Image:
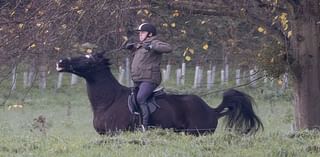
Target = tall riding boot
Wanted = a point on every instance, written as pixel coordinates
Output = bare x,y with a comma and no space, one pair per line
145,115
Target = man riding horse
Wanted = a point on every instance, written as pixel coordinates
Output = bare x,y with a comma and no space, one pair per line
145,67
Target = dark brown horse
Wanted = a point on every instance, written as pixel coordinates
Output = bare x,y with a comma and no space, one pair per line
187,113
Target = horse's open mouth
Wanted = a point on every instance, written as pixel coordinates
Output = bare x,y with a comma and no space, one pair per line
58,68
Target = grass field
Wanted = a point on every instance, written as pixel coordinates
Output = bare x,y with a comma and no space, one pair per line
58,123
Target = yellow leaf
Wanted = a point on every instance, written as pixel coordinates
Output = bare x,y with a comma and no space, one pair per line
285,27
40,12
289,34
284,15
185,51
89,50
173,25
32,45
187,58
265,32
74,7
125,38
280,82
64,26
191,50
165,25
21,25
57,48
139,12
272,60
80,11
261,29
146,11
176,13
12,13
205,46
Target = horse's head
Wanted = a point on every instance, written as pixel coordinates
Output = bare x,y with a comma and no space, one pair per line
83,65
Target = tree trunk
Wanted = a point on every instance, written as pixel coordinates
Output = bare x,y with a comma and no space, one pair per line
306,50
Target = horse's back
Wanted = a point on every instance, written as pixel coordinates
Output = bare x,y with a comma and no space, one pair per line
190,111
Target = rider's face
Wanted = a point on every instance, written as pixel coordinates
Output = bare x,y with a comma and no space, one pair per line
143,35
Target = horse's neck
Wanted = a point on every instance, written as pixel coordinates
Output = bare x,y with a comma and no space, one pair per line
102,90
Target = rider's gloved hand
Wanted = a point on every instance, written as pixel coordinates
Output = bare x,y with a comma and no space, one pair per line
129,46
147,46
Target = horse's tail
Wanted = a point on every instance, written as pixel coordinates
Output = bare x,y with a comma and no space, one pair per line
240,117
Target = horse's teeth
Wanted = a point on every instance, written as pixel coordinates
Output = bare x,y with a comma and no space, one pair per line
58,68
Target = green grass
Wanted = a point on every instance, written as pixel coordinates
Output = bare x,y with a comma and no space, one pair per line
67,130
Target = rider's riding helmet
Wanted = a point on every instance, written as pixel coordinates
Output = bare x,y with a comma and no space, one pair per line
147,27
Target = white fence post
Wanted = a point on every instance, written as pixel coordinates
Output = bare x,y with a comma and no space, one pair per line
74,79
200,76
213,75
222,77
238,77
25,79
265,80
121,75
14,78
183,73
127,73
226,79
59,81
42,77
195,82
30,78
285,81
167,73
178,80
209,79
253,75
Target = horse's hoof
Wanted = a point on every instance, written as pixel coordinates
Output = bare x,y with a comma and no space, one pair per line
143,128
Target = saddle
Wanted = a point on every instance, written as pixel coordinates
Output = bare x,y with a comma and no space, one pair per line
152,104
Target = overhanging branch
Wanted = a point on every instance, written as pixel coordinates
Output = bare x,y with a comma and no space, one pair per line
221,9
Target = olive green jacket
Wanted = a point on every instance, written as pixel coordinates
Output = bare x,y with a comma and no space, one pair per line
146,64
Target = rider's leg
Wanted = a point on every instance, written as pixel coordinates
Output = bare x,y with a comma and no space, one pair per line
145,90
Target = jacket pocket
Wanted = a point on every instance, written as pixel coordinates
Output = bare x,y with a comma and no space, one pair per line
156,74
146,73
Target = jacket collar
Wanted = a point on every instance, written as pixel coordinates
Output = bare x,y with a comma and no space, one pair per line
149,39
